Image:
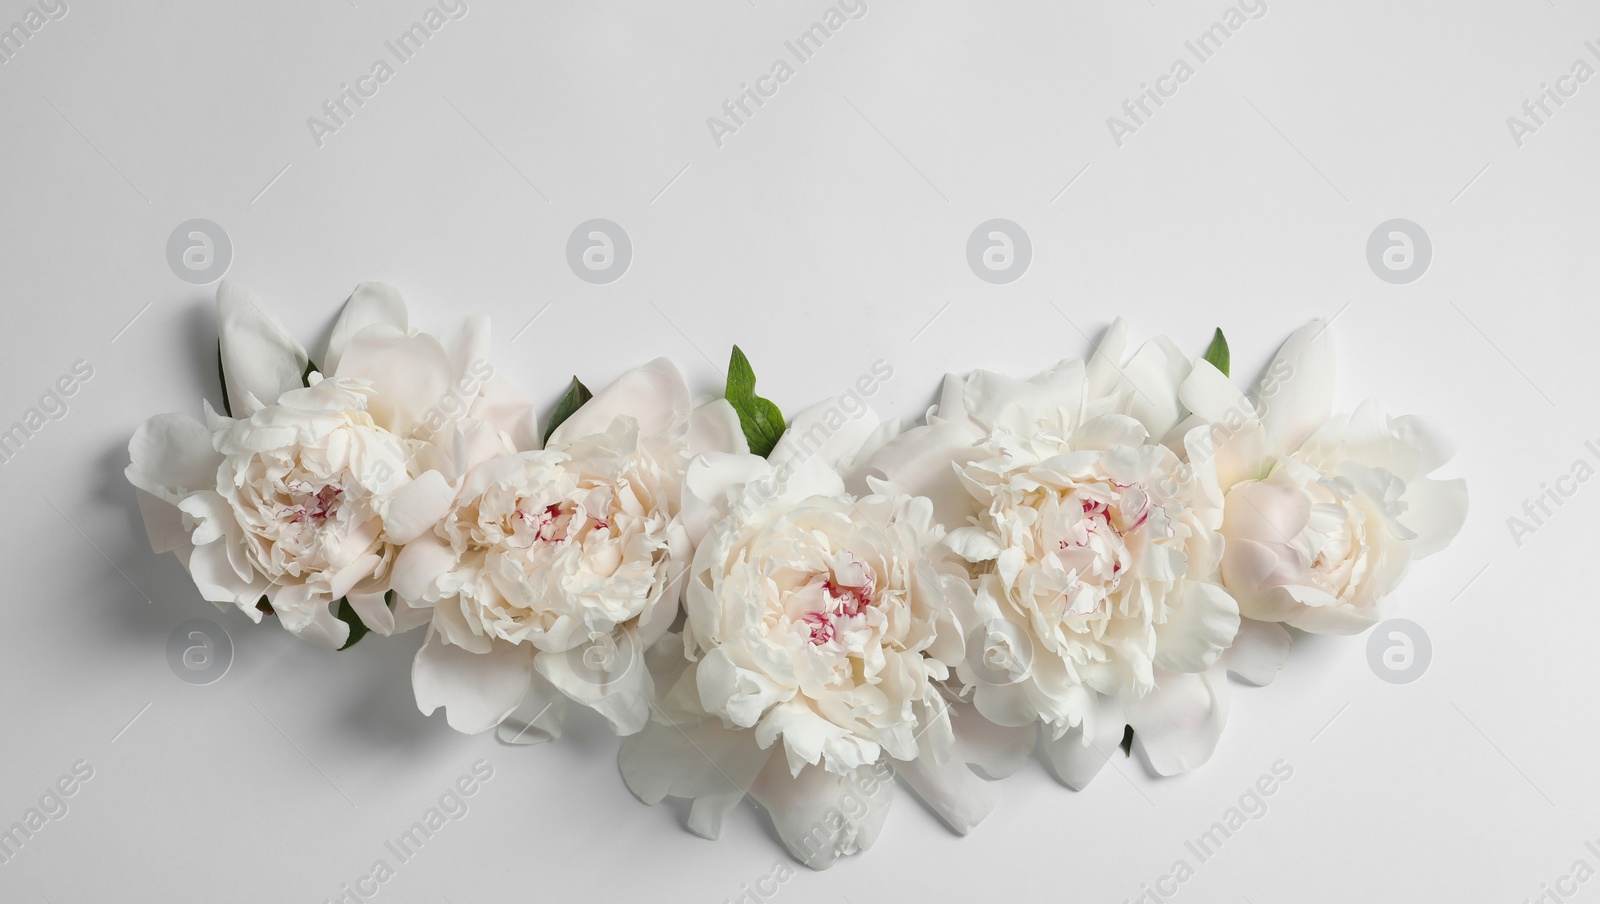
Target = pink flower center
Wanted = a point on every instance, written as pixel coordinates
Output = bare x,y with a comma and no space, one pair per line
821,627
316,507
844,601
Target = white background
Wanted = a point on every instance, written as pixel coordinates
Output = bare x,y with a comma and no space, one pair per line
827,233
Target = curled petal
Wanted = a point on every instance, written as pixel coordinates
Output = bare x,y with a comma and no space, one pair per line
477,690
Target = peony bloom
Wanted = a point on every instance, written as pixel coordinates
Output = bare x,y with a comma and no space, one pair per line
301,498
1323,515
553,569
1081,501
820,628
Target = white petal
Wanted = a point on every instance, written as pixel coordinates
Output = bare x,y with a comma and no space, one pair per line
537,718
259,357
419,564
1157,370
710,483
994,750
821,816
654,395
1212,396
714,427
1436,509
467,344
997,401
1201,624
700,760
922,462
1258,652
411,377
951,790
1296,392
373,610
511,415
1070,760
217,580
606,674
830,431
408,617
172,453
1075,761
477,690
371,303
163,524
1177,724
418,507
1104,372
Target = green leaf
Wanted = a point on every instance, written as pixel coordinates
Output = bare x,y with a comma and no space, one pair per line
1217,354
358,628
760,419
305,378
1127,730
223,379
576,395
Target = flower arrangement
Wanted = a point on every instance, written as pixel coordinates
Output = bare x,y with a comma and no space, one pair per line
799,612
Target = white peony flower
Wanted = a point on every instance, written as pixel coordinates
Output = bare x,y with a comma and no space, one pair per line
821,624
1097,544
302,498
1323,514
554,569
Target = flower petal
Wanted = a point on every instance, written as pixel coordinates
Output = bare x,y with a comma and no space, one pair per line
1258,652
655,395
922,462
537,718
820,815
374,612
832,431
417,507
1296,392
1436,509
508,412
1201,624
411,378
260,359
477,690
606,674
714,427
371,303
1177,724
951,790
